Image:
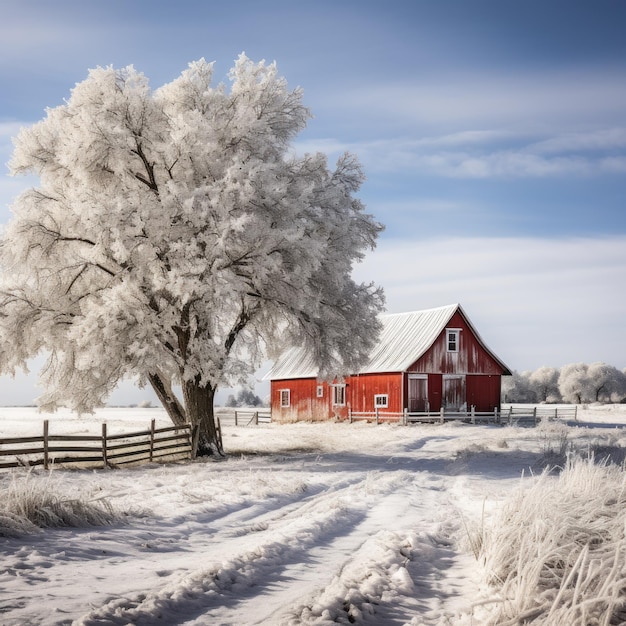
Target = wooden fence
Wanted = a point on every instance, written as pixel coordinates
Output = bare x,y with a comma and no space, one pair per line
244,416
105,450
441,416
519,415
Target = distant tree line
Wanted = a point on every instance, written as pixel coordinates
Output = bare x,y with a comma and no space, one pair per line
245,397
574,383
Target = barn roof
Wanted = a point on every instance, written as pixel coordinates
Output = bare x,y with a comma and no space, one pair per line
404,338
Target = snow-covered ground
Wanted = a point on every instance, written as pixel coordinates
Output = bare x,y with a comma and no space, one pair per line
300,524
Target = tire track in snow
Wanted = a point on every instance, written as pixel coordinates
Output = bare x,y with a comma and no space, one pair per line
406,574
264,555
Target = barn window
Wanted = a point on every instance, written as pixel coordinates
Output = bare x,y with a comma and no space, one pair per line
339,395
381,400
285,397
452,339
320,391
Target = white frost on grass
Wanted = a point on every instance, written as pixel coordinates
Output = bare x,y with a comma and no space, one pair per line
32,502
301,524
555,552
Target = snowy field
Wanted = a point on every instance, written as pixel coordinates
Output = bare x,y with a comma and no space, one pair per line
300,524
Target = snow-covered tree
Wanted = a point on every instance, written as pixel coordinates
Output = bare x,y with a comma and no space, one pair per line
517,388
545,383
175,235
574,383
605,381
244,397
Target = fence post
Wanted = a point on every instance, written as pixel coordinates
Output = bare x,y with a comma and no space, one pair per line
152,423
473,414
235,417
349,415
376,409
218,428
45,444
442,413
256,418
405,416
104,444
535,414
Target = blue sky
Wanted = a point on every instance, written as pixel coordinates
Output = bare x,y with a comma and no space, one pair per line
493,137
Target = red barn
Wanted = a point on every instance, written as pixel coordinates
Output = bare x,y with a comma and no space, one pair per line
424,361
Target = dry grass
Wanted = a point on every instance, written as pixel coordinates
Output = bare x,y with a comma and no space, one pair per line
556,552
31,502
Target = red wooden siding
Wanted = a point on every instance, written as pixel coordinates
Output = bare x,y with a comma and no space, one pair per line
483,392
434,391
362,389
303,402
471,357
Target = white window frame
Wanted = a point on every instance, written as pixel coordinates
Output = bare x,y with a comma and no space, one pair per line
320,391
453,335
285,398
339,395
381,400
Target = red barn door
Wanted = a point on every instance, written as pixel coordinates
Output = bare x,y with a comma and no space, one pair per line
454,398
418,393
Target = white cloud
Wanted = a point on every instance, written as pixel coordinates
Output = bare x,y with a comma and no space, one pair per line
489,125
602,139
535,301
514,101
487,154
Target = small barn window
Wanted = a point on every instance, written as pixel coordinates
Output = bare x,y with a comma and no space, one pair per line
452,339
285,398
339,395
320,391
381,400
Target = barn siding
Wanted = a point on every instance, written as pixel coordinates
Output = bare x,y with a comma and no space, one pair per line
362,389
483,392
304,403
434,391
471,358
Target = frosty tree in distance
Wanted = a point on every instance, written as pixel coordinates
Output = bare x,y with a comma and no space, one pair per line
175,237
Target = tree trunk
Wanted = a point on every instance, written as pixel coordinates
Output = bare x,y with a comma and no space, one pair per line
199,408
163,390
197,411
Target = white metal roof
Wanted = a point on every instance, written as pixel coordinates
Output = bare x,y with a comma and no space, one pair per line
405,337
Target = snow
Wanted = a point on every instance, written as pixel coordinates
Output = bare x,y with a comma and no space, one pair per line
301,524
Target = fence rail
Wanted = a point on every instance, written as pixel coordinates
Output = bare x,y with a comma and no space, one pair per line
441,416
105,450
509,414
528,414
244,416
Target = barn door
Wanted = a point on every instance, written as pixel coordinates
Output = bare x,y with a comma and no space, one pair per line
454,393
418,394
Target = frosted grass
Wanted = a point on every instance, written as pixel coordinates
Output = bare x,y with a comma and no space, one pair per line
32,502
555,552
